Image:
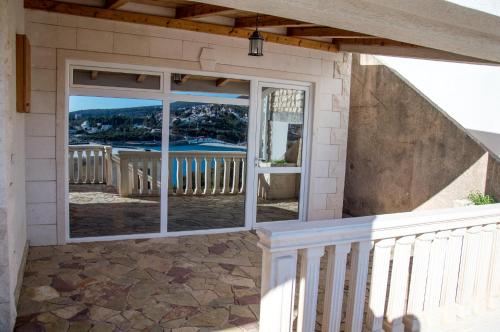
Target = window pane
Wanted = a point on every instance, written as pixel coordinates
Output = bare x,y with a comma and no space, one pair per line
114,158
281,126
278,197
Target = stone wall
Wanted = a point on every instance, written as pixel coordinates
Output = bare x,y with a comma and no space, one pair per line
55,37
12,181
404,153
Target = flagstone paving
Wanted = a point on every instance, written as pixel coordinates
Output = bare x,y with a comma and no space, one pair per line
183,284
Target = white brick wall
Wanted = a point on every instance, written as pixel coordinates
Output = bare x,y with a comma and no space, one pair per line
50,32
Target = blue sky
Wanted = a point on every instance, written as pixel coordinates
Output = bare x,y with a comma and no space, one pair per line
77,103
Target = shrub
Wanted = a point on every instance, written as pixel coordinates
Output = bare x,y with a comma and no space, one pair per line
478,198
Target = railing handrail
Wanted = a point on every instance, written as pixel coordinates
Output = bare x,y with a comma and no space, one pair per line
298,235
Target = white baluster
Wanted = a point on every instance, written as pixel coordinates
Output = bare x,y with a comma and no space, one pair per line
171,175
71,166
279,271
95,177
135,178
450,277
483,268
208,176
357,285
468,265
189,175
80,166
418,280
334,290
243,175
197,176
144,185
378,284
494,274
179,176
154,176
308,291
399,284
227,175
236,176
87,166
217,170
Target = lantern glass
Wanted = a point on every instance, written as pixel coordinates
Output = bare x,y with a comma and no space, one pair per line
256,44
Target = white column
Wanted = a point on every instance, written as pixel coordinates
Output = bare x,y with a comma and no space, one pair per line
418,280
468,265
308,291
450,278
357,285
197,176
279,271
334,290
378,284
483,268
399,283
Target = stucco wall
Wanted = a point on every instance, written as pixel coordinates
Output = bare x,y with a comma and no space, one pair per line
403,152
56,37
493,178
12,175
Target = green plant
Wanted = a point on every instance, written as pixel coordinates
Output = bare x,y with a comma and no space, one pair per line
281,162
479,198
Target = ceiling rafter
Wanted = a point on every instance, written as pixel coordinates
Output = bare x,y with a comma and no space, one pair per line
265,21
199,10
324,32
115,4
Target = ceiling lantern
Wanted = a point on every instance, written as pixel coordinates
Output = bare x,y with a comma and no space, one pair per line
256,41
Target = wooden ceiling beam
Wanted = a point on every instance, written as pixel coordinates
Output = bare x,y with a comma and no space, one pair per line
154,20
375,41
141,78
199,10
324,32
222,81
265,21
94,74
115,4
185,78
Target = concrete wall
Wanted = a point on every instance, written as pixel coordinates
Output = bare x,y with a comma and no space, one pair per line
57,37
403,152
493,179
12,175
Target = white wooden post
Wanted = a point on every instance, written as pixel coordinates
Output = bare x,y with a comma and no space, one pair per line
378,284
357,285
279,271
399,283
334,290
468,265
308,291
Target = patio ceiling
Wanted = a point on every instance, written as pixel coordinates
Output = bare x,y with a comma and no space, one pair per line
222,20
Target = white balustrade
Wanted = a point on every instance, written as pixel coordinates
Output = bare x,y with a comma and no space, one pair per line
425,269
88,164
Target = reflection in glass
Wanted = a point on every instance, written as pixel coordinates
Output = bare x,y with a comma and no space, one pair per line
278,197
281,126
114,159
207,166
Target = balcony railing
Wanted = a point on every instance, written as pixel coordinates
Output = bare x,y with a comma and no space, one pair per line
424,269
138,173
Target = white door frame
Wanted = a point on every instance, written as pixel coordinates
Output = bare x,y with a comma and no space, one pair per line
165,95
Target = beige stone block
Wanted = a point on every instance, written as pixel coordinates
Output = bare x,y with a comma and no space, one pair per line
334,201
51,36
336,169
139,30
131,44
333,56
191,50
342,152
325,101
344,119
321,215
323,135
43,102
341,103
43,57
40,16
42,235
95,23
326,152
324,186
330,85
43,79
40,147
40,169
41,213
320,169
329,119
339,136
327,68
93,40
41,125
41,192
165,48
318,201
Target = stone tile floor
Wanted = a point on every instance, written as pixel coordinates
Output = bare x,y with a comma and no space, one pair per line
183,284
98,210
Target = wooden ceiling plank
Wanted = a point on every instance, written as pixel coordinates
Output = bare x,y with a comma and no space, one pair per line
265,21
222,81
139,18
324,32
115,4
199,10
